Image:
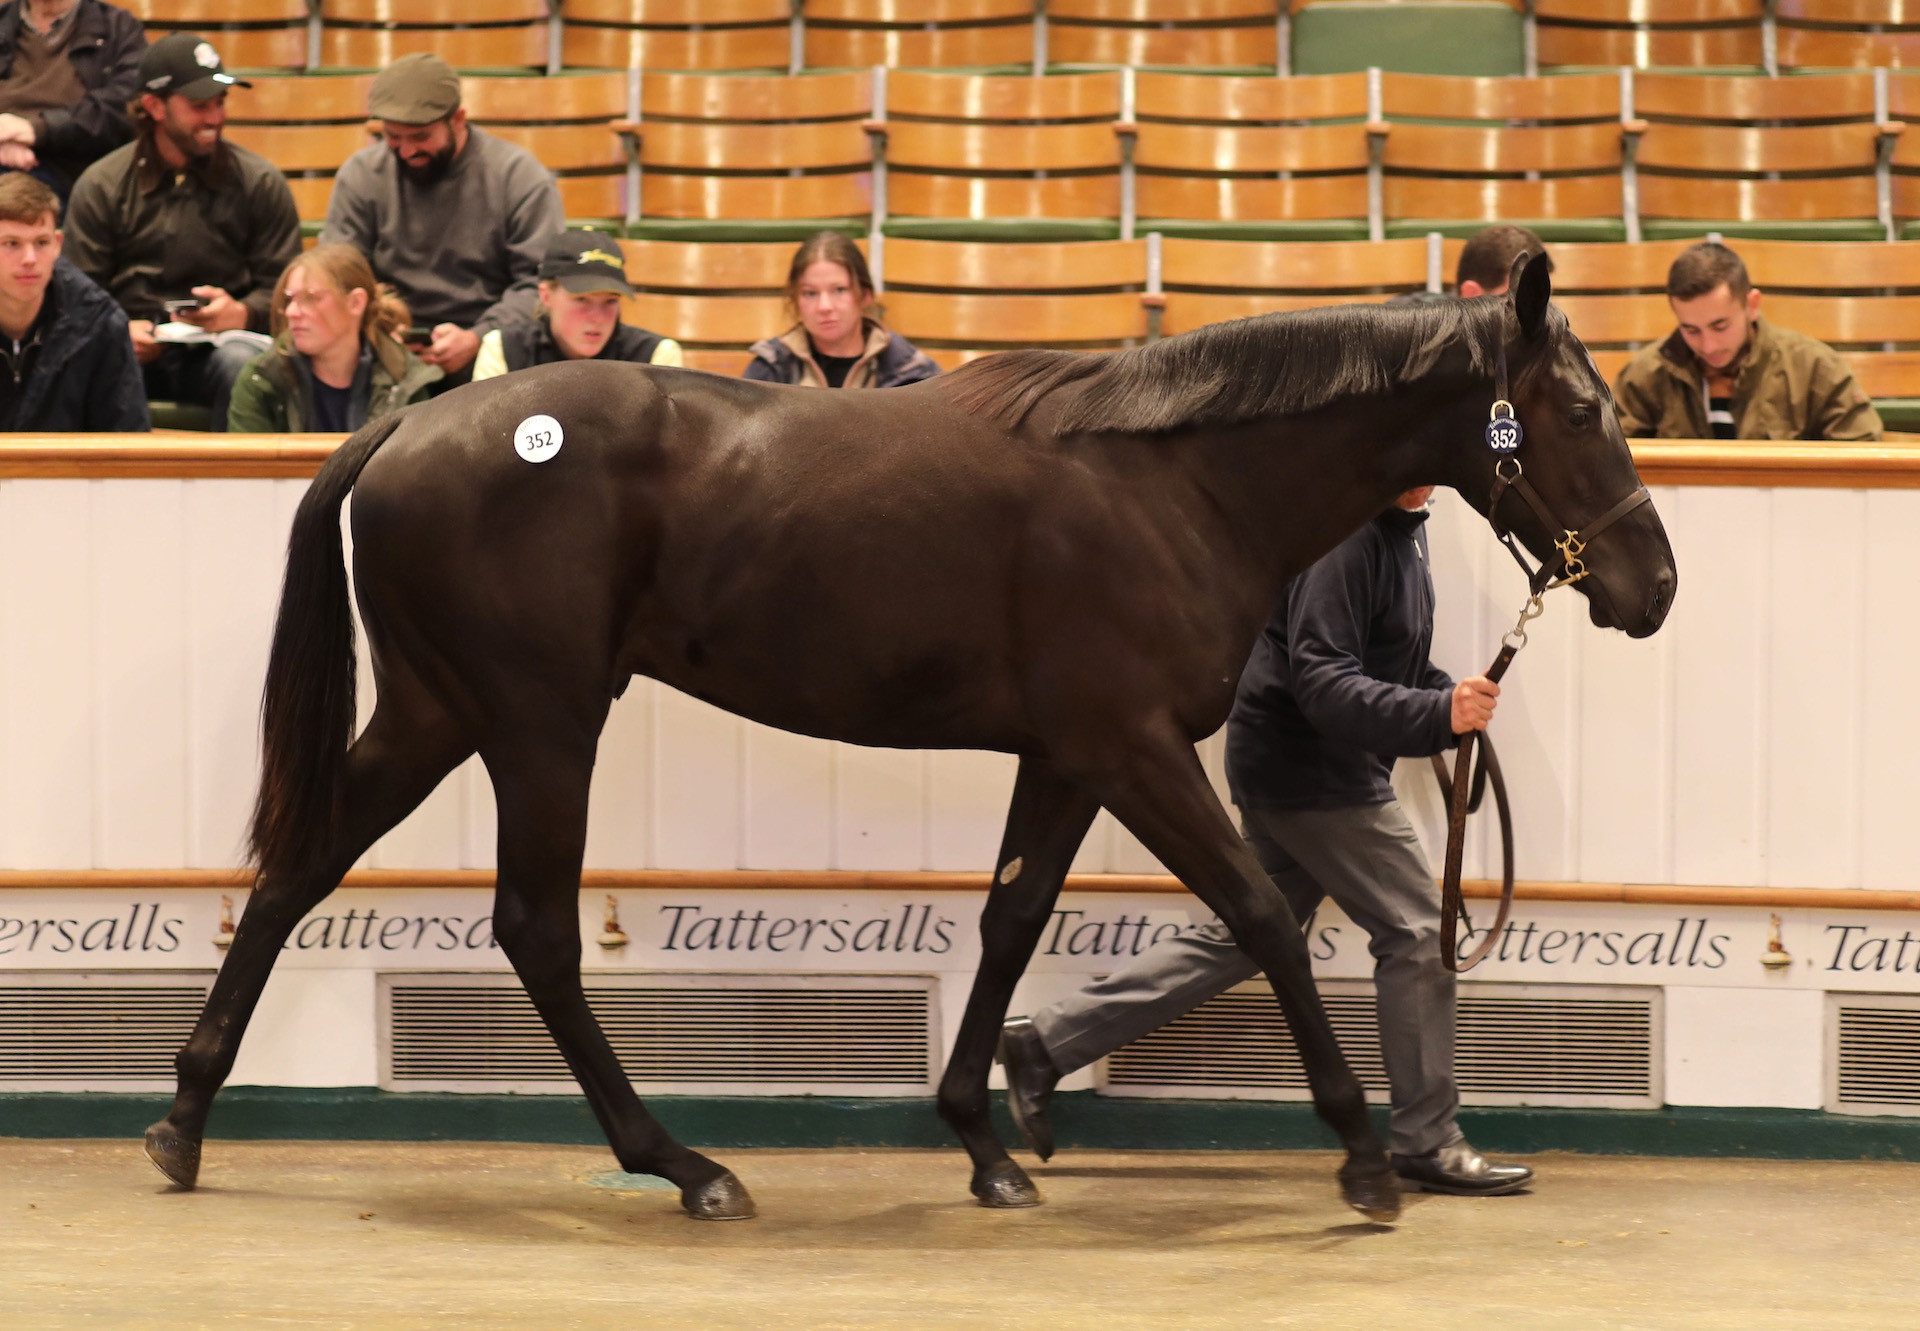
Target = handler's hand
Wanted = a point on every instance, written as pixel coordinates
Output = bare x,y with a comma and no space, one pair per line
1473,703
453,348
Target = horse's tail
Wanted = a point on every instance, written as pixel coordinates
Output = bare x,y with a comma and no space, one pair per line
307,708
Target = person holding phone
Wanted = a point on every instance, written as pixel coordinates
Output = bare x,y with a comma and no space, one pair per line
455,218
186,231
336,361
582,279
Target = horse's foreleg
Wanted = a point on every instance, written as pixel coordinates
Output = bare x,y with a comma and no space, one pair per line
1160,793
394,764
541,791
1046,822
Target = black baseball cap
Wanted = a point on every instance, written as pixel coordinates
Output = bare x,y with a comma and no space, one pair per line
185,64
583,261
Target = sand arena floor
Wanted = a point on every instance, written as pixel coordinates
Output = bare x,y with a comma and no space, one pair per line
356,1235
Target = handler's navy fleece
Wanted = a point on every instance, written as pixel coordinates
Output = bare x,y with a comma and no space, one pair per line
1339,683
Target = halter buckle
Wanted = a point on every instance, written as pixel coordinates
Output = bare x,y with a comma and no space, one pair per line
1571,547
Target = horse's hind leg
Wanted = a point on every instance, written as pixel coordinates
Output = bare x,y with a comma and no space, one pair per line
395,763
1047,821
541,789
1158,790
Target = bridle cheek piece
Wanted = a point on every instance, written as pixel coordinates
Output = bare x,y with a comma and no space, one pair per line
1566,567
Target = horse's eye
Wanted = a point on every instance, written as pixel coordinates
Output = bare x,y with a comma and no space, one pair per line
1580,417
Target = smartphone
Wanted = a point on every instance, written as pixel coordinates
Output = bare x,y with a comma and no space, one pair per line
418,336
184,305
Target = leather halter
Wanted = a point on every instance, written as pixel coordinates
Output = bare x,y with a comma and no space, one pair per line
1567,566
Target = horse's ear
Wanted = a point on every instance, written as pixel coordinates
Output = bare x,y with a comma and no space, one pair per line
1532,287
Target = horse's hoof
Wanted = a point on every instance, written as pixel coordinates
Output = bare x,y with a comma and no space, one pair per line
173,1155
1005,1186
1374,1194
724,1198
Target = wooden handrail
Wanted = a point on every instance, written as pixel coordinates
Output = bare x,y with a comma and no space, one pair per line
1893,464
837,880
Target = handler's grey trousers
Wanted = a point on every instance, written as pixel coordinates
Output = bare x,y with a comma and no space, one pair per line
1369,861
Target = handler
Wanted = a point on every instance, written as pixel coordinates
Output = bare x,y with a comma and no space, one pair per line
1338,685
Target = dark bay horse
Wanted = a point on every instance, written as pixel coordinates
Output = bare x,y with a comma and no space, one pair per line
1060,556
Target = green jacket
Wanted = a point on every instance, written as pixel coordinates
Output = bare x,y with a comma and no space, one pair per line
274,394
1789,387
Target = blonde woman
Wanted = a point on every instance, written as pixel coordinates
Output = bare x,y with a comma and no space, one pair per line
336,361
582,279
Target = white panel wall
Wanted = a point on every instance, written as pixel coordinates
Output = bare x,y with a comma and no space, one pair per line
1768,735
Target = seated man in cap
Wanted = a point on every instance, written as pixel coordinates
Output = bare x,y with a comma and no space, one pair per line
186,231
62,339
68,68
455,219
582,280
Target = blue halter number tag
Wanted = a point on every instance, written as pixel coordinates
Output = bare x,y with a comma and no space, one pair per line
1504,435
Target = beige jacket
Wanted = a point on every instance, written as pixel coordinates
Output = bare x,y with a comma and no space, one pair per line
1789,387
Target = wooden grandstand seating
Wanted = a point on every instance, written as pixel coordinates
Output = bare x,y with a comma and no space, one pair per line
971,153
677,34
1563,180
1207,281
309,155
569,122
302,99
715,299
768,156
1648,34
1251,156
1696,178
918,33
1220,33
1833,33
248,34
468,34
1547,152
959,299
1809,99
1564,99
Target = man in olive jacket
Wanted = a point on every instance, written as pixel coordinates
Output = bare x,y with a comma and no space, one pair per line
1725,373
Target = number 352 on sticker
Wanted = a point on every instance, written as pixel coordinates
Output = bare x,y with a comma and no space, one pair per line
538,438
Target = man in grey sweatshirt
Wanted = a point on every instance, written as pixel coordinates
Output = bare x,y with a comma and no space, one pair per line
455,219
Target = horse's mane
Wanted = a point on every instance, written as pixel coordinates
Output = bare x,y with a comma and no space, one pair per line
1268,365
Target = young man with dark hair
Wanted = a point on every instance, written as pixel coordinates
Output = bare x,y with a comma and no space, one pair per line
68,363
1726,373
181,215
454,218
1486,262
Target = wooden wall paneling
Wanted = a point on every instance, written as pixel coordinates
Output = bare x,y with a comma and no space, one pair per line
697,765
1817,590
1885,707
1720,682
137,602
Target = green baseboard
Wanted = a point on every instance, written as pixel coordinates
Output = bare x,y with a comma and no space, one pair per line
1081,1119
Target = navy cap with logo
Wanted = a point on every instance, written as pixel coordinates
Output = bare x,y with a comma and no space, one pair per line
185,64
583,261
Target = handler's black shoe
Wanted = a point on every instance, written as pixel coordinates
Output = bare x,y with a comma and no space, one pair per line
1031,1078
1458,1169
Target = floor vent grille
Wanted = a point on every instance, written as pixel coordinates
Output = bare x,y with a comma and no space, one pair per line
1875,1060
1514,1044
118,1031
686,1034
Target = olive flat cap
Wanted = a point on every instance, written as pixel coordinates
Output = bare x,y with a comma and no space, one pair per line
415,90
